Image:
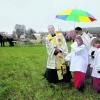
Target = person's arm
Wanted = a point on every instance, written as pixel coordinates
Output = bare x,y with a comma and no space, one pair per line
86,39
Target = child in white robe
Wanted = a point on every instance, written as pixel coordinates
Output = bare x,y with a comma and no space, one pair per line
96,68
79,62
91,55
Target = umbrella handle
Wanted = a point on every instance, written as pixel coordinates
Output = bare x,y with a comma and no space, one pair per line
74,25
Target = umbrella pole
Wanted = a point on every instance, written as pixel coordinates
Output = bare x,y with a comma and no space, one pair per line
74,25
74,22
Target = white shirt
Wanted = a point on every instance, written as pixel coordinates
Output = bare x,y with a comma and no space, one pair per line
79,58
96,66
86,40
51,64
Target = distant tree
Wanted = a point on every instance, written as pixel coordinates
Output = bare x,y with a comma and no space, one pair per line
14,35
20,30
30,33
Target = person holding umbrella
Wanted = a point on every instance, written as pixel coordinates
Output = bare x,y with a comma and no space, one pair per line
85,37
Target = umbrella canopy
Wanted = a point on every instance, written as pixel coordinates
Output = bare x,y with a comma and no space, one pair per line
75,15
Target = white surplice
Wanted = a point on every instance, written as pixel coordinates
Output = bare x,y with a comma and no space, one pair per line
79,58
86,40
96,66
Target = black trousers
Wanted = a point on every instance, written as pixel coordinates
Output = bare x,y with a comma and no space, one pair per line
52,77
67,77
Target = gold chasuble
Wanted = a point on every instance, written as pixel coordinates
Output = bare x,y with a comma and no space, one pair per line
59,58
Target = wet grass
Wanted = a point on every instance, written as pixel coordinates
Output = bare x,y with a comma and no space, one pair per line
21,77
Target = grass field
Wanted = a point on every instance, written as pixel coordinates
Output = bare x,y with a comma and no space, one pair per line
21,77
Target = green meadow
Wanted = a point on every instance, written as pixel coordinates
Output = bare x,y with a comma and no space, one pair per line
21,77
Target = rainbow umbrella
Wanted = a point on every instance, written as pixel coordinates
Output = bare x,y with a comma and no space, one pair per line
75,15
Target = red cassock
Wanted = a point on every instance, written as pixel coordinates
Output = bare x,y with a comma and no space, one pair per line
79,79
96,83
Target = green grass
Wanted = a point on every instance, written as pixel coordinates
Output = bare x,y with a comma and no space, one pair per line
21,77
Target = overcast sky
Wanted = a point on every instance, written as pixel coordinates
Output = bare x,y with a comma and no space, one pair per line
38,14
